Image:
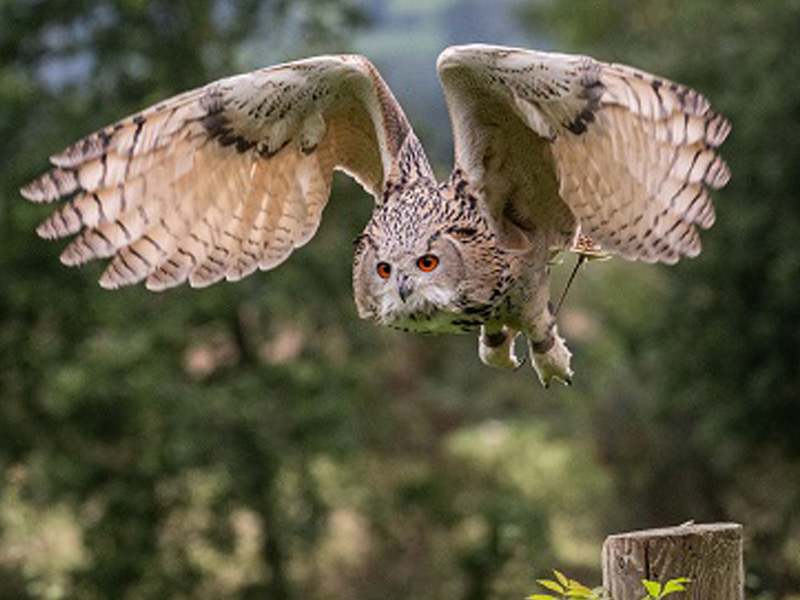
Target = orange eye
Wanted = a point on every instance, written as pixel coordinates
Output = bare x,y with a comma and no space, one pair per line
427,263
384,270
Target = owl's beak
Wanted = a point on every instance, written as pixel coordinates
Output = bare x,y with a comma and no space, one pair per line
405,286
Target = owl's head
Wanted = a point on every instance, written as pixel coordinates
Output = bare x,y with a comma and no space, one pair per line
414,269
408,284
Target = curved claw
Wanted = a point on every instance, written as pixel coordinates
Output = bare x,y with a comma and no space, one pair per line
552,364
496,349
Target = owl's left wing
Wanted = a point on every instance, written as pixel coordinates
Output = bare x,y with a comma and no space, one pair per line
557,141
225,179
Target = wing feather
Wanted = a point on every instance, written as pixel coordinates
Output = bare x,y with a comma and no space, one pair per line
634,155
220,181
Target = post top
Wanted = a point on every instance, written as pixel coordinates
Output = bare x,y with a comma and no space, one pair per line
690,528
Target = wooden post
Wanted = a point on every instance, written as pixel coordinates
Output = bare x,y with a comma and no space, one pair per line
711,555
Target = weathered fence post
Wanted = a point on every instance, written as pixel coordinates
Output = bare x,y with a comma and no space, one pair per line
711,555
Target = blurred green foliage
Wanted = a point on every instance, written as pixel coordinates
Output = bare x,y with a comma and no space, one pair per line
255,440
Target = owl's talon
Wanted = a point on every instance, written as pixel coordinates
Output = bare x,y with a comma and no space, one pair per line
552,364
496,349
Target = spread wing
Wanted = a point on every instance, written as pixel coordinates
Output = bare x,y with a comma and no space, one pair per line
558,141
225,179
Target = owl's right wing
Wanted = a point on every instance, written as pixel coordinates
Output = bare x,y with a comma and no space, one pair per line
557,141
222,180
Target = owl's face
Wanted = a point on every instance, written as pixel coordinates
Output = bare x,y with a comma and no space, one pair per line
426,275
414,285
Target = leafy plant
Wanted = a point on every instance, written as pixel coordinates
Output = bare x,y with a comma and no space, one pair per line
570,589
656,590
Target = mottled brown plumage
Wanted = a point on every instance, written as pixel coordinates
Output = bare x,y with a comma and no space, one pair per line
550,148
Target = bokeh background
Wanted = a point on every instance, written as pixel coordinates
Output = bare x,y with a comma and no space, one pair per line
256,440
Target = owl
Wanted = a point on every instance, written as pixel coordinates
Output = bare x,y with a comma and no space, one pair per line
553,152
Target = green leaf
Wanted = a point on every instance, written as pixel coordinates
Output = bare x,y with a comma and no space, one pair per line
653,588
675,585
542,597
551,585
577,586
673,588
580,595
561,578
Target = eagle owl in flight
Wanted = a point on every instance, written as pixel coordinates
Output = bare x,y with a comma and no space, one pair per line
552,151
